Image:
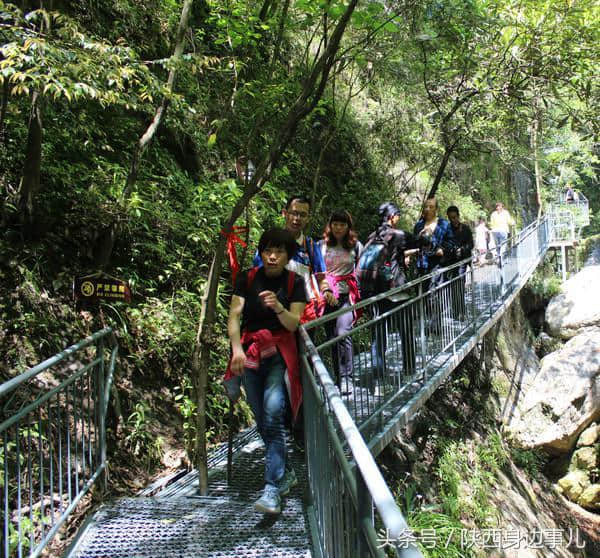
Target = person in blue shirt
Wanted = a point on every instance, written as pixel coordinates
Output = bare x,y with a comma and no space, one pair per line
308,260
441,248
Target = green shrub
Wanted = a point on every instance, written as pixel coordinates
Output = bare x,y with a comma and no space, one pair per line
530,460
545,283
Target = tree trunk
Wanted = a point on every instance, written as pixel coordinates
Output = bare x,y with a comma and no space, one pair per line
279,39
111,236
30,182
536,159
3,107
441,169
312,92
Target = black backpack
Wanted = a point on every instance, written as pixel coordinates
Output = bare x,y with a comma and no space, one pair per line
373,271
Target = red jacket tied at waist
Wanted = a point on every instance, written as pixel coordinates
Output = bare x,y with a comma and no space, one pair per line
353,293
263,344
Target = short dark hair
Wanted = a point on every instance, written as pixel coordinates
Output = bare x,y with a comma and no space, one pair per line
299,198
278,238
452,209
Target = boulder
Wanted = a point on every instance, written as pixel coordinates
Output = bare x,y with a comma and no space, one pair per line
562,399
573,484
577,306
585,458
590,497
589,436
545,344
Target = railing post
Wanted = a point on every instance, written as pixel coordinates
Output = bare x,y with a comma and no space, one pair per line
364,513
101,412
473,310
422,328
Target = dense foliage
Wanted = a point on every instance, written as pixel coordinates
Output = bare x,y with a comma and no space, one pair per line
446,95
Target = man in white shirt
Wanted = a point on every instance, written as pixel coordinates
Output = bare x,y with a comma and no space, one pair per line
501,222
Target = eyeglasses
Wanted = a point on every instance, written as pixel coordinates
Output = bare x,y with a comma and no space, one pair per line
299,214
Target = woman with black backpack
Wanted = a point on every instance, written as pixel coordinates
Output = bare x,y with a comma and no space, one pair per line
340,248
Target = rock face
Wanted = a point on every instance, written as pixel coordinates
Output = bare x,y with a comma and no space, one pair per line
582,483
578,306
573,484
590,436
563,398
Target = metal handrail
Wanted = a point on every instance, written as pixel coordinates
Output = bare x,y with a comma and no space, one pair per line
570,216
367,473
53,441
341,432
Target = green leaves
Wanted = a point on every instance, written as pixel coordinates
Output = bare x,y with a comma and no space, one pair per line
65,64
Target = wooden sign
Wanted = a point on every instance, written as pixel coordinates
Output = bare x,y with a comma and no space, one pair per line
93,289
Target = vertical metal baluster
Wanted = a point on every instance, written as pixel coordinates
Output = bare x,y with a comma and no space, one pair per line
41,450
364,511
339,509
364,378
51,462
404,350
85,471
75,437
89,423
422,329
415,314
6,520
102,409
82,417
443,291
19,490
389,379
490,296
473,307
30,482
68,442
60,455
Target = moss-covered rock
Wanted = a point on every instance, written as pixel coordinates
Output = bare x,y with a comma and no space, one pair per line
589,436
585,458
590,497
573,484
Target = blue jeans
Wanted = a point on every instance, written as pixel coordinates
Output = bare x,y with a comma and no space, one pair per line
266,394
499,238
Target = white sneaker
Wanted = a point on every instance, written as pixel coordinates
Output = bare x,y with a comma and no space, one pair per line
270,501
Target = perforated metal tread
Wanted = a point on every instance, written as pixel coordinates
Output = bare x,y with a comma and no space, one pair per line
195,528
222,524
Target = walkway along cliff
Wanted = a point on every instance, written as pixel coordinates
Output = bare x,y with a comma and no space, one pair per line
347,506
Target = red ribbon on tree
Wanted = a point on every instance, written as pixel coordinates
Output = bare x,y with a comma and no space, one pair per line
232,240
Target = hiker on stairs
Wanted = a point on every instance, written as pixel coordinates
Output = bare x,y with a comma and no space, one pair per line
265,311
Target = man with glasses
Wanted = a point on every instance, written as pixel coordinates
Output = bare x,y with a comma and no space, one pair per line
308,261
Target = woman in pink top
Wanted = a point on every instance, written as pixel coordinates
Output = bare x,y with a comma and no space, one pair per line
340,248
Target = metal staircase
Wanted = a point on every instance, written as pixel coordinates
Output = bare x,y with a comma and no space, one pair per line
342,506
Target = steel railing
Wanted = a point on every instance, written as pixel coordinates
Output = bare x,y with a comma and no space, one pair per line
406,336
53,440
568,218
343,497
